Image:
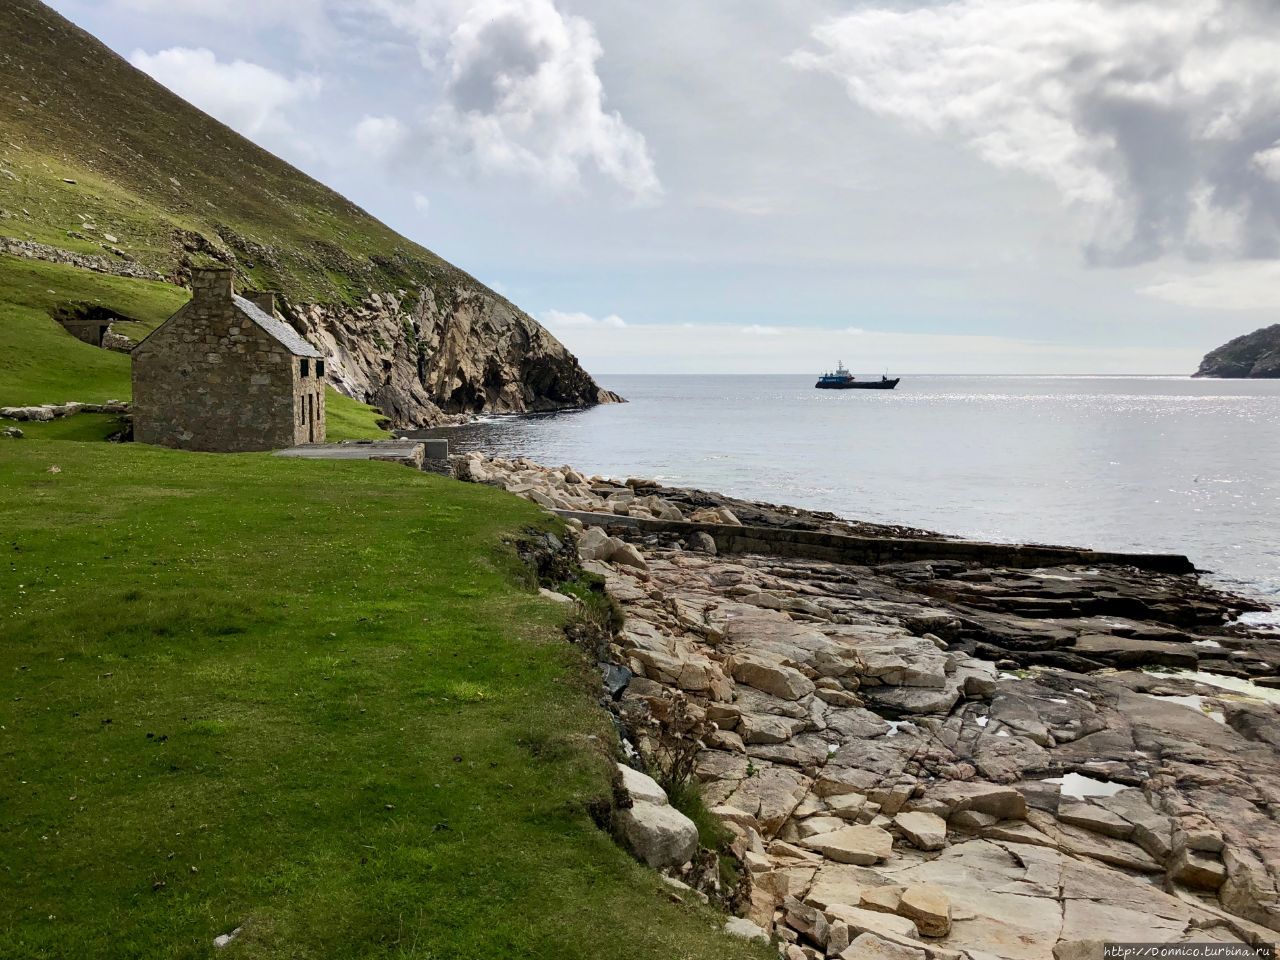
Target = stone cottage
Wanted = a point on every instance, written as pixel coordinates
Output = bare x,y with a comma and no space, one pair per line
224,374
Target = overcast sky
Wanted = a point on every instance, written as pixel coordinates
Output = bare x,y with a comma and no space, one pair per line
995,186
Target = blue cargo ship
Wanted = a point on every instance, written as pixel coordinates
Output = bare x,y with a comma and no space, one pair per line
842,379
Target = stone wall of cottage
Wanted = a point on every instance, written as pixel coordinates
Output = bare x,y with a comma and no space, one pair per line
308,402
211,379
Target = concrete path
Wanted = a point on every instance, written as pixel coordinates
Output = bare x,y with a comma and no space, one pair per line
409,452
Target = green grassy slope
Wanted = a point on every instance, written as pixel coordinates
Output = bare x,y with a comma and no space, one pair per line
348,419
313,699
41,363
166,180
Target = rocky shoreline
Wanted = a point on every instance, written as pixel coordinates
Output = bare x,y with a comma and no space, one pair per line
945,757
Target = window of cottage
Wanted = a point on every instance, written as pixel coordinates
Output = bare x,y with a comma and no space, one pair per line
304,366
319,368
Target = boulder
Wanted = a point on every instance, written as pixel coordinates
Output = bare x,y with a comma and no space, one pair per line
847,806
745,930
861,845
772,678
595,544
810,922
838,939
971,821
703,542
721,515
660,836
770,796
626,555
542,500
555,597
641,787
925,831
1196,869
871,921
727,517
918,700
1087,816
1002,802
764,728
835,883
870,947
813,826
881,899
928,907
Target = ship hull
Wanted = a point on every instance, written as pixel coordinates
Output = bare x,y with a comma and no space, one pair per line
859,385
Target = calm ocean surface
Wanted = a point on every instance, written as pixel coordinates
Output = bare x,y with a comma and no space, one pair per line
1124,463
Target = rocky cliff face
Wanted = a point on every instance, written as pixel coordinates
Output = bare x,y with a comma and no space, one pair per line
420,357
1255,355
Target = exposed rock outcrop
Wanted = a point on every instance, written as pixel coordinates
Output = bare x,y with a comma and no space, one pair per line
420,358
1254,356
119,264
656,832
949,758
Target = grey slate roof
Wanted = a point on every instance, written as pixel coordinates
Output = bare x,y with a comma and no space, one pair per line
281,331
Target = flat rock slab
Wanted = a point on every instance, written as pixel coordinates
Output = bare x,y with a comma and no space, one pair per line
861,845
1129,651
925,831
870,947
929,907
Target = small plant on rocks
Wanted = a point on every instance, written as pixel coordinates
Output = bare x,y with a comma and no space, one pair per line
674,733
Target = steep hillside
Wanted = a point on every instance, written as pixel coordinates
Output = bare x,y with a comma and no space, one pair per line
103,168
1255,356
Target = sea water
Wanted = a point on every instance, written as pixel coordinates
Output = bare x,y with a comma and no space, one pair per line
1166,464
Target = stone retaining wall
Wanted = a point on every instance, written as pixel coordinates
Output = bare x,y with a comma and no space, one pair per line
877,550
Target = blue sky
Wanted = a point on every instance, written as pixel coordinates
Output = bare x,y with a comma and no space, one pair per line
967,186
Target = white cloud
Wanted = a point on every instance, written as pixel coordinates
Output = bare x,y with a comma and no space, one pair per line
756,330
1237,286
421,202
1142,109
247,97
1268,161
380,137
558,319
520,93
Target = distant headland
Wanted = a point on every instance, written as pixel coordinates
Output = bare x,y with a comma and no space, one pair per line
1254,356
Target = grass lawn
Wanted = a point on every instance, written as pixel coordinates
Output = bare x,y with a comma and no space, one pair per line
317,700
